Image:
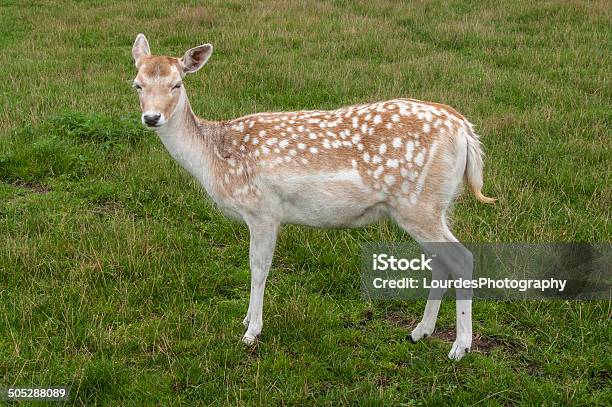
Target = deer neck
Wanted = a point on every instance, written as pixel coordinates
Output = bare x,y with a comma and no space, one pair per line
192,142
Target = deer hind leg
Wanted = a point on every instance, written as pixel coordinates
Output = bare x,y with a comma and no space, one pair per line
454,259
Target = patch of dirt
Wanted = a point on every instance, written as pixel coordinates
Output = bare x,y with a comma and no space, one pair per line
177,387
447,335
401,320
604,375
383,381
32,186
107,206
366,317
534,370
480,343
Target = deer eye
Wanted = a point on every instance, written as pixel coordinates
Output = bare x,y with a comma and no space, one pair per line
137,86
177,86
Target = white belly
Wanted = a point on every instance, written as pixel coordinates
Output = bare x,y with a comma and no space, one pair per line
329,200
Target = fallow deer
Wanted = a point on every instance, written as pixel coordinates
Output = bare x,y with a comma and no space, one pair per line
342,168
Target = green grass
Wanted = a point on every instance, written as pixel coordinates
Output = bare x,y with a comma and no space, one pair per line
119,279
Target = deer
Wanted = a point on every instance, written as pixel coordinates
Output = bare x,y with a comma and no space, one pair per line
402,158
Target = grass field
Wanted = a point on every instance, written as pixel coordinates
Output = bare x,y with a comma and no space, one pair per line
119,279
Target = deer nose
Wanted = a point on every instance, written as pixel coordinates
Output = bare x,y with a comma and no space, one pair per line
151,119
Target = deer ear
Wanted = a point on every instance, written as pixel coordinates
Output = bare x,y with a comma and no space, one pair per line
140,48
195,58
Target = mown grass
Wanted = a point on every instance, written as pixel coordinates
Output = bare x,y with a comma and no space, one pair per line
120,280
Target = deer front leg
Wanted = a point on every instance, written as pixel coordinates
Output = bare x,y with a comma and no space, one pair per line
262,242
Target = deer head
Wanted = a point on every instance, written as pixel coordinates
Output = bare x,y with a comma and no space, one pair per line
159,81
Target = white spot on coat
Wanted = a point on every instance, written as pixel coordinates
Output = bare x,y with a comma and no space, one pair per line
418,160
392,163
409,150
